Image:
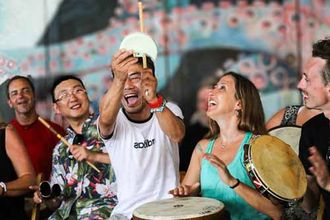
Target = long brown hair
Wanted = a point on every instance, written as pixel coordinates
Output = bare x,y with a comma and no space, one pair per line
251,116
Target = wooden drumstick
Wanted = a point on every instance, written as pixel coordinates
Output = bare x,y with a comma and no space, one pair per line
63,139
140,5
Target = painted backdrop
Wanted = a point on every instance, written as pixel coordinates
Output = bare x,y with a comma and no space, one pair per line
267,41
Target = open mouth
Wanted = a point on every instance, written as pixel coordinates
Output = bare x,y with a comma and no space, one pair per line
22,102
304,95
75,107
212,103
131,99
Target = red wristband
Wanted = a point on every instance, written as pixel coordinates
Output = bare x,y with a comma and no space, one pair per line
158,103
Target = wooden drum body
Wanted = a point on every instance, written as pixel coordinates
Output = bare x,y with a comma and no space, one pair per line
180,208
275,169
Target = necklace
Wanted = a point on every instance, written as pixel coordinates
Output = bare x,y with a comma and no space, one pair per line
222,145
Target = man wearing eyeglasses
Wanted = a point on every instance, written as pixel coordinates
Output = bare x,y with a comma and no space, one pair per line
314,147
38,140
86,192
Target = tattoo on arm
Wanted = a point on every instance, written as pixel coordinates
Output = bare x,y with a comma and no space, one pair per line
199,148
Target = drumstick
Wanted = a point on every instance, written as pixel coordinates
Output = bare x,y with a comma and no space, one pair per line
36,207
63,139
140,5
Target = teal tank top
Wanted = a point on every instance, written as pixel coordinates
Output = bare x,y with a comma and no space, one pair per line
213,187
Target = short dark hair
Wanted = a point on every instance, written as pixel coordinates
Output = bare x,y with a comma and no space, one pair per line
321,49
60,79
27,79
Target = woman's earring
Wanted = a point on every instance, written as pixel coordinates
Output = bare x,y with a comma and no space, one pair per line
237,113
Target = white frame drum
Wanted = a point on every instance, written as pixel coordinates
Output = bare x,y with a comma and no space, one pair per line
196,208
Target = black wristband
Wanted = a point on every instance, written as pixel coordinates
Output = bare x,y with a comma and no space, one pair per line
236,184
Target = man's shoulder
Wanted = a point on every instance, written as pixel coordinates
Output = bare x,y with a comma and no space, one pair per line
61,147
315,121
14,122
175,109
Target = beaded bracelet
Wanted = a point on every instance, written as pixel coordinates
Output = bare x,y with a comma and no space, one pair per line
236,184
159,109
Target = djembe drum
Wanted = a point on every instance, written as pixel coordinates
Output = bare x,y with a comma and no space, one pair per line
181,208
275,169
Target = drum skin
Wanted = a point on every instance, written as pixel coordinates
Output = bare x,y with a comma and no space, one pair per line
180,208
288,134
277,168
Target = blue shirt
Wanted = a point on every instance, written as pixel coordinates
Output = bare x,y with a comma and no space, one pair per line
213,187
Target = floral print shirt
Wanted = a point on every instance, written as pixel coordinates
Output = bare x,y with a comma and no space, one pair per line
86,193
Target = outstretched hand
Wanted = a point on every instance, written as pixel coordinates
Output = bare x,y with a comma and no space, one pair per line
319,169
224,173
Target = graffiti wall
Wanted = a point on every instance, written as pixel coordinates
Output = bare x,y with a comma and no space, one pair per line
266,41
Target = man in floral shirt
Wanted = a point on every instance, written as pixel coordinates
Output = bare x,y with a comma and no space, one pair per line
86,193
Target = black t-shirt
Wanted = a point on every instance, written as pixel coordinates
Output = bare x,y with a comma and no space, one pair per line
316,132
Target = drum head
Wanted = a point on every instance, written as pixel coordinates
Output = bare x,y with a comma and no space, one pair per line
140,43
278,167
179,208
288,134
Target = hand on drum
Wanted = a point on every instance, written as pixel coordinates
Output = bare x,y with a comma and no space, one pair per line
185,190
224,173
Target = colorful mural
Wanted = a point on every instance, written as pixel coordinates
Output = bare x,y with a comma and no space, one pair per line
267,41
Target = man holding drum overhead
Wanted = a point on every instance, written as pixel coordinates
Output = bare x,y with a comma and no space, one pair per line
315,88
217,166
142,130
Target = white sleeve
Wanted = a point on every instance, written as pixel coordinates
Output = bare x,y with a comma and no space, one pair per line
175,109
